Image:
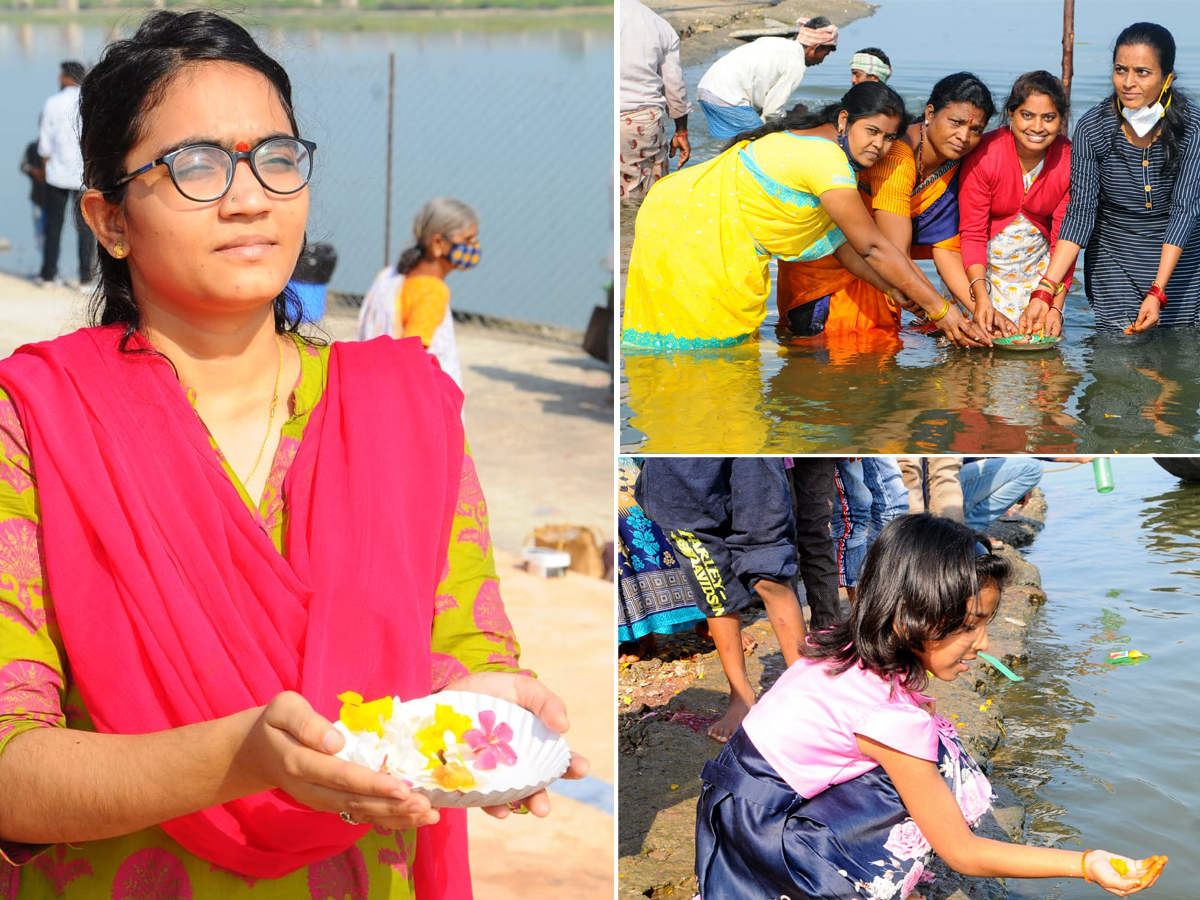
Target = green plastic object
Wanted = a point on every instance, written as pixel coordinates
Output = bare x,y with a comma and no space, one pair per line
1124,657
1102,469
1000,667
1026,342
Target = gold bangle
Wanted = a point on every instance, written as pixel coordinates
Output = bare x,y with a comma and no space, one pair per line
1083,866
941,315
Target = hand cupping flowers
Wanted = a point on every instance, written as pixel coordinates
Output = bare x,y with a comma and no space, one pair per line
461,748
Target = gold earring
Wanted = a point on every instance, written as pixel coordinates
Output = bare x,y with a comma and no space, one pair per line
118,250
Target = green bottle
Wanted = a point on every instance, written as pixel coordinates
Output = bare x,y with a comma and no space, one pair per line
1103,472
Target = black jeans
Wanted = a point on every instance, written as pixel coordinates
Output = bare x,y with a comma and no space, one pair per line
56,209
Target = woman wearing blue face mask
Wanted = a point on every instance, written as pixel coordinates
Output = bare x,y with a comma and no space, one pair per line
1135,199
412,299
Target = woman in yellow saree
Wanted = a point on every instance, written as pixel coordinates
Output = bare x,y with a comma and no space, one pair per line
912,194
704,236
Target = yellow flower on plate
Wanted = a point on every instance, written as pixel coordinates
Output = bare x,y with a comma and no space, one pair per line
359,716
454,776
431,739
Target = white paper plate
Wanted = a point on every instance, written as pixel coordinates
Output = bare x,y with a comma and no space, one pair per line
542,755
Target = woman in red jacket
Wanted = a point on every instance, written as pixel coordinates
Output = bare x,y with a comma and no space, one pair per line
1014,193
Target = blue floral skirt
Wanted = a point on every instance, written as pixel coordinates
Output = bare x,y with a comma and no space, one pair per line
757,839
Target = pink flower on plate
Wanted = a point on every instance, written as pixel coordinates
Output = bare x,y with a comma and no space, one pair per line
905,841
491,743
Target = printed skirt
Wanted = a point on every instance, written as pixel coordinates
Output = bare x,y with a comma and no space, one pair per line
757,839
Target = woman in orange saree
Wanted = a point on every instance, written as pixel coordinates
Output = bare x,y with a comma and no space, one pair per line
913,195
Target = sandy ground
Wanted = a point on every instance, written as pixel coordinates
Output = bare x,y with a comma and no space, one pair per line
665,703
539,418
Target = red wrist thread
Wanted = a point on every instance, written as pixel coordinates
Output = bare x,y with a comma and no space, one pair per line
1044,295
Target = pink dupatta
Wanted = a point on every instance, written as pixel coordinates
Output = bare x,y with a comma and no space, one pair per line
173,603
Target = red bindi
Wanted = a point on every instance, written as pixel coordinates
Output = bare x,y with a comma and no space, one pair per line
241,147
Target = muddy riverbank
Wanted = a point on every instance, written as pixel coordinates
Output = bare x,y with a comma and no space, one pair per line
665,702
705,27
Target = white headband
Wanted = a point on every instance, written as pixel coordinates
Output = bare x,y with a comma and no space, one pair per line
872,65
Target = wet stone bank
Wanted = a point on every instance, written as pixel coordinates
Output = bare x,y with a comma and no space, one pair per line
666,701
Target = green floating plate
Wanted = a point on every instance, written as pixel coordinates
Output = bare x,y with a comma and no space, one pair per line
1026,342
1000,667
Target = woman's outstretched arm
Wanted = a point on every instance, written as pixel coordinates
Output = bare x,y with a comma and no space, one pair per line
846,209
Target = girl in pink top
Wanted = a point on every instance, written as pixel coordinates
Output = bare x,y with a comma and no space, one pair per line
842,781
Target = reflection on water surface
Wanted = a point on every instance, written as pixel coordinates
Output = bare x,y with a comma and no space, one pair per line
1096,392
1104,756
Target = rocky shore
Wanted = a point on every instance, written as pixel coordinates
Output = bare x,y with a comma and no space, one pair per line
665,702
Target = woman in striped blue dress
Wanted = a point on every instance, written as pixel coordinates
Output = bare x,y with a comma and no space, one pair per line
1135,199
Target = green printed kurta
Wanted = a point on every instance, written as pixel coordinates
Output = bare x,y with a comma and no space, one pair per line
471,633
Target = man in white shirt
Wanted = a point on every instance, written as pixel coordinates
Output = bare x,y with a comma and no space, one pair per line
58,145
753,82
652,91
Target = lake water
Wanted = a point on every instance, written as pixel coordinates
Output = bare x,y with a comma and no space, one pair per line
1094,392
1105,756
517,123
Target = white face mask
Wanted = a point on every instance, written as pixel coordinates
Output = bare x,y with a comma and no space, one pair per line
1142,120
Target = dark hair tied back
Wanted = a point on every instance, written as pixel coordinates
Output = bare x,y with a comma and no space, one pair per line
914,587
409,258
119,93
1175,120
864,100
962,87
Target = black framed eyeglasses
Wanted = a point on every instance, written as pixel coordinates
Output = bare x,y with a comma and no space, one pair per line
204,172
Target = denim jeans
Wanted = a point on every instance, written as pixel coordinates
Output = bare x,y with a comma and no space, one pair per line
991,486
889,496
851,522
870,494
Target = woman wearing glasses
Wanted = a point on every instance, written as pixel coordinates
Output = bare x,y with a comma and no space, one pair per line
204,536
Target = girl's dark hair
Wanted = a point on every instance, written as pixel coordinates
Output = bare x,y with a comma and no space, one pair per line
876,52
962,87
1174,122
913,587
1039,82
870,98
115,99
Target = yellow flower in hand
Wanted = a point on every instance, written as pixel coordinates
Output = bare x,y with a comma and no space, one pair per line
359,716
431,740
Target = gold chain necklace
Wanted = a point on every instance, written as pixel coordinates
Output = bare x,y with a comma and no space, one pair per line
271,419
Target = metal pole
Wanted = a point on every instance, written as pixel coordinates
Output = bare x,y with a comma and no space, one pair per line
387,196
1068,42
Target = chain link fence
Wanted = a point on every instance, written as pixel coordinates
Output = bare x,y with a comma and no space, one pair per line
518,124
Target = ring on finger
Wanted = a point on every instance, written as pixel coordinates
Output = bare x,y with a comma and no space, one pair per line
348,819
517,808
